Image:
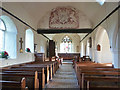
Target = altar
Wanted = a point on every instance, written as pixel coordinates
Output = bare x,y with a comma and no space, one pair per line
69,56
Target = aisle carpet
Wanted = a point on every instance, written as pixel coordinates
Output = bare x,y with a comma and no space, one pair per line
64,78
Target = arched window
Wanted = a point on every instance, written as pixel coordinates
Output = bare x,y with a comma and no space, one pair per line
66,45
8,34
2,35
29,40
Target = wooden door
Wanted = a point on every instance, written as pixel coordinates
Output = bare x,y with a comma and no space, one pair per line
51,48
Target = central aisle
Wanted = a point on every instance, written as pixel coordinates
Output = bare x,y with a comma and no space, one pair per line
64,78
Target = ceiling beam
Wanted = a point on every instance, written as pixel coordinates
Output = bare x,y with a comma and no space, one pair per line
55,31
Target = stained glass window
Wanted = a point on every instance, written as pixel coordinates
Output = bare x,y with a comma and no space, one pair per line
66,45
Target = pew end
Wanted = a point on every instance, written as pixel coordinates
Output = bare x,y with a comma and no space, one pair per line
36,81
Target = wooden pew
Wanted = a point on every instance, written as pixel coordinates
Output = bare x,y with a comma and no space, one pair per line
50,71
102,76
104,80
55,66
13,84
36,80
38,67
54,63
99,69
80,64
34,67
82,70
27,67
27,71
30,78
86,67
90,64
96,71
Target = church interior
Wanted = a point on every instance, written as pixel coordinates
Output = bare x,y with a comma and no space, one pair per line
59,45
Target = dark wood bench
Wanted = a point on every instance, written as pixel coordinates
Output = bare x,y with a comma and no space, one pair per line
55,65
50,68
27,71
90,64
35,66
38,67
21,85
102,82
99,69
98,72
32,80
89,70
101,76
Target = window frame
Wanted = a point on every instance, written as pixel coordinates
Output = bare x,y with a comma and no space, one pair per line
3,30
67,41
3,24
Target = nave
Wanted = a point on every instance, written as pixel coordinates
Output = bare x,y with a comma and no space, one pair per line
65,77
54,75
35,39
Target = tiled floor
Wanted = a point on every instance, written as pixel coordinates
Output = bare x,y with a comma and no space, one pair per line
64,78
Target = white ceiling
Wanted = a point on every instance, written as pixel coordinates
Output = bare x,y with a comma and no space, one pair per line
39,9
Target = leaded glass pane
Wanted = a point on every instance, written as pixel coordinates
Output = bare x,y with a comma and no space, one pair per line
66,45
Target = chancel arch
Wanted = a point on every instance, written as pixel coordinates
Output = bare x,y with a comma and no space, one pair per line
103,53
9,37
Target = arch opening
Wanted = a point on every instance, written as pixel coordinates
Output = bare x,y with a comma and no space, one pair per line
104,54
10,39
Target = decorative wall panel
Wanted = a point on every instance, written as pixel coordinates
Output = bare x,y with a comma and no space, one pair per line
64,18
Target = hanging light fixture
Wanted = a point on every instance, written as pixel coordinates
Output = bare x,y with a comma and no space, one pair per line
101,2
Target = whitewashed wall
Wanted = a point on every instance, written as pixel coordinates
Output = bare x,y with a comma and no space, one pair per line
75,41
111,26
21,28
84,22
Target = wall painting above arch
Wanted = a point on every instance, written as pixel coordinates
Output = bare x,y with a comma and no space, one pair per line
64,18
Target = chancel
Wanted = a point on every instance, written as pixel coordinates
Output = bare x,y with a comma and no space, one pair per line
60,45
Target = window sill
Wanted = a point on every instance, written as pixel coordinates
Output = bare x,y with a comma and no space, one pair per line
7,59
29,52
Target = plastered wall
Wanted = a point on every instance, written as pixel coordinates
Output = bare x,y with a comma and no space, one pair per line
21,28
